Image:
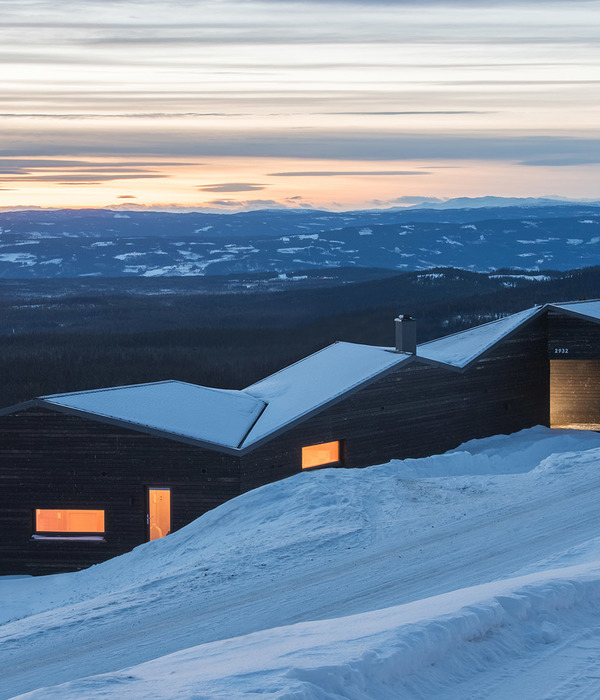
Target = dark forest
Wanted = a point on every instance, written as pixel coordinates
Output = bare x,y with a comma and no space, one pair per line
85,337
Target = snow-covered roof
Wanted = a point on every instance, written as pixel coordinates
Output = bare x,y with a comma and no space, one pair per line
591,309
459,349
237,419
219,416
241,419
318,379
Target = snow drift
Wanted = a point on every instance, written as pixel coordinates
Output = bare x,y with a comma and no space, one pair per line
413,650
411,579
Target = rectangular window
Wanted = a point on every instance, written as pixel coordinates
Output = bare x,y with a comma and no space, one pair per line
320,455
79,522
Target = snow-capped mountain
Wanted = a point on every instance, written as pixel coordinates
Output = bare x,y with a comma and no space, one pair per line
105,243
485,202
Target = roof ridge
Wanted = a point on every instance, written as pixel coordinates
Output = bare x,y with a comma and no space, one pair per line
340,373
578,301
481,325
219,417
318,352
111,388
302,359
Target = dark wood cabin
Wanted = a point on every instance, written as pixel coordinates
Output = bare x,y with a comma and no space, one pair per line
90,475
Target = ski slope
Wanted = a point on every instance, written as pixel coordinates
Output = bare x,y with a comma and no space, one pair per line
470,574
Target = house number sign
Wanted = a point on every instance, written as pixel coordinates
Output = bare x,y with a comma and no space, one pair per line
561,351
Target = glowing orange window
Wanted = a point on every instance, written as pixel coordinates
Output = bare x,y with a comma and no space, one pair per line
80,521
318,455
159,513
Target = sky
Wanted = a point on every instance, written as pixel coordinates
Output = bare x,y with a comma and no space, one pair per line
337,104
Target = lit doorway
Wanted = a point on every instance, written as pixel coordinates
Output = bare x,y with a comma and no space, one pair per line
159,513
575,394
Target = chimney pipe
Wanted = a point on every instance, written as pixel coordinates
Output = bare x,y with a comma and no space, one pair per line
406,334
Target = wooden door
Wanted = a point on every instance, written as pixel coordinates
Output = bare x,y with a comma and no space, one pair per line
159,513
575,394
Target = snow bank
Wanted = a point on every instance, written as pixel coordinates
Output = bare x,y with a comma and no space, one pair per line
500,454
413,650
386,569
312,515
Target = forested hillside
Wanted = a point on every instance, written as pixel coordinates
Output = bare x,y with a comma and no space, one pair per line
103,337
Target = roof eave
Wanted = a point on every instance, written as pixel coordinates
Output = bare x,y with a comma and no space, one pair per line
117,422
15,408
439,364
575,314
463,368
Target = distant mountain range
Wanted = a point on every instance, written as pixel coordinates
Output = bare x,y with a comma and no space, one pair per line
483,202
116,243
405,204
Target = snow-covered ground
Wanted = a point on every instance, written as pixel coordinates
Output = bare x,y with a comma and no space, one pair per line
474,574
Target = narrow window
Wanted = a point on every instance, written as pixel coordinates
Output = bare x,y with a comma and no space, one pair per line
69,522
320,455
159,513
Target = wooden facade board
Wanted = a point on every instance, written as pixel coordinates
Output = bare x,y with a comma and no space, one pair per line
575,394
53,460
572,338
421,409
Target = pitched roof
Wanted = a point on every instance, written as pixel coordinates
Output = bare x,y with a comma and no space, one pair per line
219,416
238,420
589,309
460,349
317,380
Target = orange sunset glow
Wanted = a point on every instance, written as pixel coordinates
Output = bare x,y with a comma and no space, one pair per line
234,104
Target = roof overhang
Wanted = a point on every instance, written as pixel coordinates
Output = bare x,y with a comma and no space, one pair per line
129,425
408,360
574,312
486,349
236,451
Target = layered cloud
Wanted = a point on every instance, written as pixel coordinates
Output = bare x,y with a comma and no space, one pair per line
346,173
551,150
232,187
97,92
74,172
245,204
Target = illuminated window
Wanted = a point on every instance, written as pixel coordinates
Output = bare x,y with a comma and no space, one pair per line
159,513
70,521
319,455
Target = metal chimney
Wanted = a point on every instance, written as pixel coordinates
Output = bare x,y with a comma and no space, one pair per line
406,334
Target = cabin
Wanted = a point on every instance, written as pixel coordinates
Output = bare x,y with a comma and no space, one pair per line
89,475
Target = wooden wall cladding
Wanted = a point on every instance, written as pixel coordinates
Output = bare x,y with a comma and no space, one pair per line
571,338
575,394
420,410
53,460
